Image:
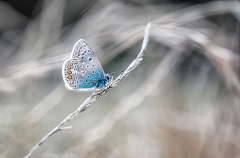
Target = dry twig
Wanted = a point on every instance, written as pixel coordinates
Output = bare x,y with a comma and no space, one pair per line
96,94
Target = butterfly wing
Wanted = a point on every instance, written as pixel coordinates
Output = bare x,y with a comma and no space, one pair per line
83,70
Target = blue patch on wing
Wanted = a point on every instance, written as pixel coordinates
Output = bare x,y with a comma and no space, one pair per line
90,80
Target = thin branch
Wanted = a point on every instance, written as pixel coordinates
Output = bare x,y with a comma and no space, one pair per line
96,94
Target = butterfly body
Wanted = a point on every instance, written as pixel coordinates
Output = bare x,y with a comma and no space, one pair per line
82,71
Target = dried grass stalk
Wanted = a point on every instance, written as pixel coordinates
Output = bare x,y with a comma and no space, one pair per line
96,94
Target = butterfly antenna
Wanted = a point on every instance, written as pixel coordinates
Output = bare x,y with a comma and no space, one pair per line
116,72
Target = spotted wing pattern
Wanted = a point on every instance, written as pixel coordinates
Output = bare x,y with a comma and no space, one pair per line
83,70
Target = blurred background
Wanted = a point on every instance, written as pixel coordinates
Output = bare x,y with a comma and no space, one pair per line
182,101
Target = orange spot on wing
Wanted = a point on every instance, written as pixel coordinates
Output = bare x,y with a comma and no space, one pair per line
69,72
68,67
71,64
75,62
70,77
72,83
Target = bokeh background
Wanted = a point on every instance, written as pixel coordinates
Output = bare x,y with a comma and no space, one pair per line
182,101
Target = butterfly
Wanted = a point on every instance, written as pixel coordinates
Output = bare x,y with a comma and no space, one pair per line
83,72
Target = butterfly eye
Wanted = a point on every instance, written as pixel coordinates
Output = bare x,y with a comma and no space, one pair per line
108,78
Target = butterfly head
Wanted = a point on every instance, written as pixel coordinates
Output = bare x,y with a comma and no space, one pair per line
109,78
